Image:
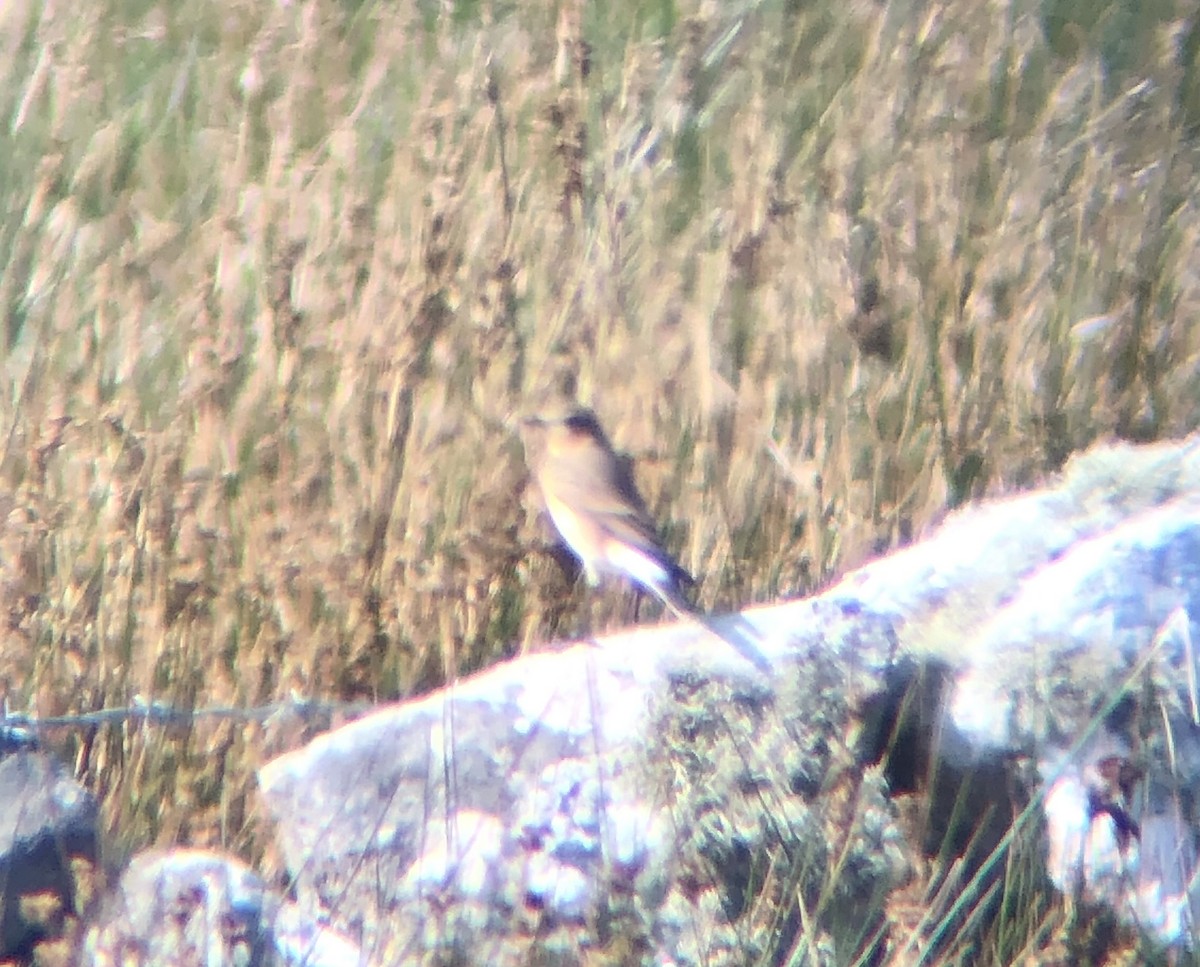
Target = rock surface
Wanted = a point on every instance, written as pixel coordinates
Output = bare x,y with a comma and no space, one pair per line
661,789
647,781
195,908
47,829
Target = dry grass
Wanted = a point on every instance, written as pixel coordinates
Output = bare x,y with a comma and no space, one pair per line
276,277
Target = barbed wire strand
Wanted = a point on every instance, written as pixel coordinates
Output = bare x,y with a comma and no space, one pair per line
160,713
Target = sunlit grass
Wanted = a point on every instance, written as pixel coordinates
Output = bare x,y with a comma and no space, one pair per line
277,277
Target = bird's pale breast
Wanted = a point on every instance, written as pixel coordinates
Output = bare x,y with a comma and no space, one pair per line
579,532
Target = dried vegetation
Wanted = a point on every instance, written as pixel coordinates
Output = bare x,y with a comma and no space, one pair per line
275,278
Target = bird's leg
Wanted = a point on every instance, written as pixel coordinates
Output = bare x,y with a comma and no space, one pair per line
637,605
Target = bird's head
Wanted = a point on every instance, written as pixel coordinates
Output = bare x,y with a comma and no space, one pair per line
575,421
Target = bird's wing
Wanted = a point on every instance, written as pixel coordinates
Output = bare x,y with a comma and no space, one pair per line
595,483
604,490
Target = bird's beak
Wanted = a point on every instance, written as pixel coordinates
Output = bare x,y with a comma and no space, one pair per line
515,422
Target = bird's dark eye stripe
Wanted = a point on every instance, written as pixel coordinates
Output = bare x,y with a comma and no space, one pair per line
580,421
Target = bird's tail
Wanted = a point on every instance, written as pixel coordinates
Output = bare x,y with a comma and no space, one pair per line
734,630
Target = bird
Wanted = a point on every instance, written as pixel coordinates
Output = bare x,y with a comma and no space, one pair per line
595,506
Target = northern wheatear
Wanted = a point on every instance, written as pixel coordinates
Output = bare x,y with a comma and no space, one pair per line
591,498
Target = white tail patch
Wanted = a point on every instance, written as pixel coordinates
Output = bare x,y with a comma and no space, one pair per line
636,564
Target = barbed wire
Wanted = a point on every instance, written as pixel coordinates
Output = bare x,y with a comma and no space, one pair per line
23,728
